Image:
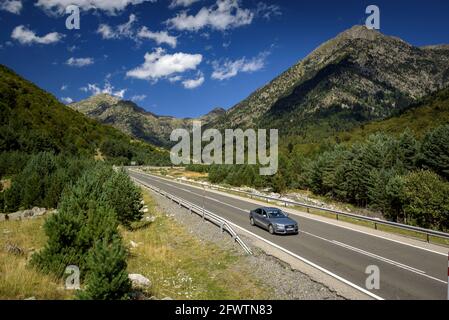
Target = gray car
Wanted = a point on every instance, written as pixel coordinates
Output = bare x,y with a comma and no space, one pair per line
274,220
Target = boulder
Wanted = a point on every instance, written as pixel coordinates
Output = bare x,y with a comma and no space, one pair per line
14,249
139,281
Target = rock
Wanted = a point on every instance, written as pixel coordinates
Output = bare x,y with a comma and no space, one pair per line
139,280
150,219
145,210
133,244
30,298
138,295
14,249
167,298
27,214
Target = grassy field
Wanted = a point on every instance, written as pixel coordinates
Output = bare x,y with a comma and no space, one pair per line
179,265
17,279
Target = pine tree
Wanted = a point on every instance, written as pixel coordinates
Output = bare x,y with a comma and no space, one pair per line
121,194
107,278
426,200
408,150
435,151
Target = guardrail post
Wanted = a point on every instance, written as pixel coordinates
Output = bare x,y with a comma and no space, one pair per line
375,225
308,210
222,227
337,216
428,238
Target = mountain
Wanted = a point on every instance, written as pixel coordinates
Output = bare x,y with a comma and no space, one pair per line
135,121
419,118
32,120
359,76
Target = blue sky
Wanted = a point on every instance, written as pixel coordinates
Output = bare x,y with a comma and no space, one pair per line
185,57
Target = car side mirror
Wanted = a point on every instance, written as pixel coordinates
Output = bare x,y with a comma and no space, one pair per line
287,214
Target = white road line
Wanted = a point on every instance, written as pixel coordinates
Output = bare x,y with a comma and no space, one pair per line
327,222
353,285
366,253
330,273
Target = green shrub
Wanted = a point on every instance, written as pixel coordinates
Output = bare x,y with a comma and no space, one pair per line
426,198
121,194
107,278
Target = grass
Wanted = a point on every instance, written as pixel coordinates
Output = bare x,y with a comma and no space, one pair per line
18,280
180,266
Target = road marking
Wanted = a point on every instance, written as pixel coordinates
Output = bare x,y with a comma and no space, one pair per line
209,198
375,256
334,242
315,220
330,273
353,285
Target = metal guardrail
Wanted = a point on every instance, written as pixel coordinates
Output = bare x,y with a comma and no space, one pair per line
427,232
205,214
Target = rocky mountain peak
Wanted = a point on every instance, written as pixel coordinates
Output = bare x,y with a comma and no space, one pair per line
360,32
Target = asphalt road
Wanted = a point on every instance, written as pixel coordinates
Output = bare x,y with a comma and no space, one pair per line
406,272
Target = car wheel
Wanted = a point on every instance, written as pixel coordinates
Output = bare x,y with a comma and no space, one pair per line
252,221
271,229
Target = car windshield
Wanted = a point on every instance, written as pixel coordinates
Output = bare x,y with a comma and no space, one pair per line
275,213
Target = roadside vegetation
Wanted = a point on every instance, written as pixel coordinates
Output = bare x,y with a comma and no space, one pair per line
178,264
181,266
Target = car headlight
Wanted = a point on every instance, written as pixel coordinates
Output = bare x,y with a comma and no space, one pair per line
280,226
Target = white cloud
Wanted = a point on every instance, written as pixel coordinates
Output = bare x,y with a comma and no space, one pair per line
67,100
138,97
160,37
79,62
121,31
229,69
64,87
267,11
194,83
126,30
13,6
110,6
108,89
27,36
224,15
72,48
182,3
175,79
158,65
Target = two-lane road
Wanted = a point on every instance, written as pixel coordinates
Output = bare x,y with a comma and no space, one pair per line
406,271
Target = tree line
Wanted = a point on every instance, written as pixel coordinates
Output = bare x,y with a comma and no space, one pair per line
404,178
